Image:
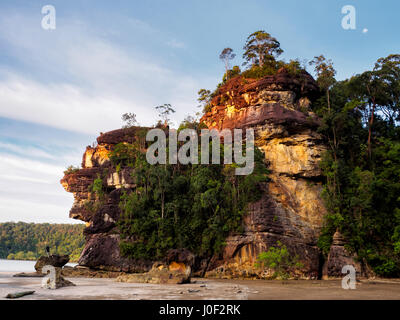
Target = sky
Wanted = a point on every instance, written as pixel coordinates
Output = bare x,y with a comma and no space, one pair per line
60,88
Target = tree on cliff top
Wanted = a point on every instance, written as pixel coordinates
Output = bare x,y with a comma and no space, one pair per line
260,48
204,99
164,111
225,56
129,119
325,74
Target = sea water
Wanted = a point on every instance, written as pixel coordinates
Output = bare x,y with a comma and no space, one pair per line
20,265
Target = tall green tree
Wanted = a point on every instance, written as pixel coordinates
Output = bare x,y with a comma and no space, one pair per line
129,119
204,98
226,56
389,71
362,168
325,74
378,90
164,112
261,48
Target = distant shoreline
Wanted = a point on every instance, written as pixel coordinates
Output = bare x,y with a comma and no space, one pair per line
70,261
17,266
19,259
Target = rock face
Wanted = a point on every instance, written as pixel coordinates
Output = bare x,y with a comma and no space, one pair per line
102,239
174,273
339,257
59,281
53,260
290,210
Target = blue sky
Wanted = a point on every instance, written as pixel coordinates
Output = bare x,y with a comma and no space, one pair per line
60,88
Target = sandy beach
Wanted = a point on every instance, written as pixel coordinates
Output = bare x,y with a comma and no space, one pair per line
202,289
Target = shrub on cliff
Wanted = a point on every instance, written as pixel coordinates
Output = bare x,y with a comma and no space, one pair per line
123,154
71,169
98,188
235,71
279,260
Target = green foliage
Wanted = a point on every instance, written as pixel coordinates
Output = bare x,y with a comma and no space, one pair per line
271,68
71,169
123,154
21,255
164,112
28,241
396,233
261,48
191,123
225,56
204,99
362,165
257,72
207,108
294,67
278,259
129,119
235,71
192,206
97,187
325,72
261,51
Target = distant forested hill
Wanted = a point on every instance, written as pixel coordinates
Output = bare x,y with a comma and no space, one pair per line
28,241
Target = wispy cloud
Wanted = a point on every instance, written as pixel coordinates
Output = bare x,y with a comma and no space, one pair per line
30,189
176,44
76,79
29,211
63,106
13,178
86,81
24,150
8,162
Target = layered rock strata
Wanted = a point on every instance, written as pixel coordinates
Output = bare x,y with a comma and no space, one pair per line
102,237
290,211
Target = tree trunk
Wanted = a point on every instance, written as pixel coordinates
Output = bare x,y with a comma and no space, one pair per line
162,204
329,100
260,55
371,122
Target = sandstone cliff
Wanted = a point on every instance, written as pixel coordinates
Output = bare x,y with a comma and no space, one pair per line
290,211
102,237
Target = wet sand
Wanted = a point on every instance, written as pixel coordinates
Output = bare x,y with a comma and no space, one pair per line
203,289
